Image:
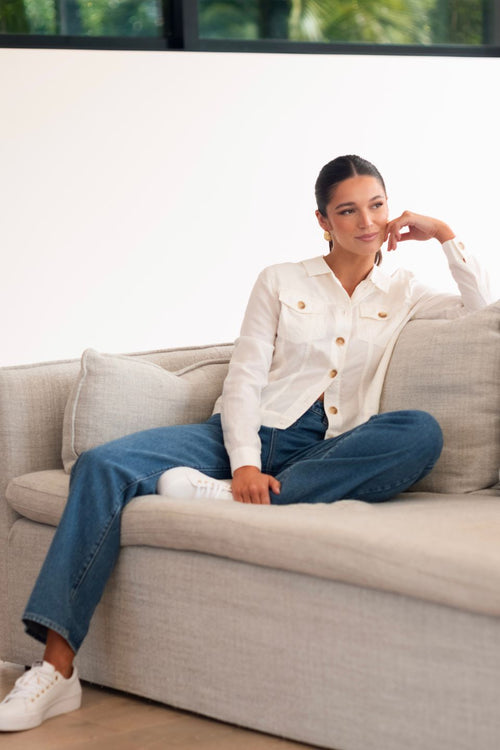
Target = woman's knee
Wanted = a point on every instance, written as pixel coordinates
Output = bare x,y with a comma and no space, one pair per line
427,433
416,430
93,460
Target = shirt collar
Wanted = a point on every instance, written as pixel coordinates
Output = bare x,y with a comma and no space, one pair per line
379,278
317,266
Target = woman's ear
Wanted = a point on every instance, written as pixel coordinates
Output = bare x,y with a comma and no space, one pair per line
322,221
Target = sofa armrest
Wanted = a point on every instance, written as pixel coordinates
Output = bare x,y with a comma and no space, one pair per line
32,402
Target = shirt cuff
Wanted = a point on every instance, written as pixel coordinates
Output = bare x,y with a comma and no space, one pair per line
455,250
245,456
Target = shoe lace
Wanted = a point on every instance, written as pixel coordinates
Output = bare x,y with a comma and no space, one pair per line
31,684
212,488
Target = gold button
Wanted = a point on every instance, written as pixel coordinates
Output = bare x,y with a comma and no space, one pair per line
382,314
333,373
301,305
340,341
333,410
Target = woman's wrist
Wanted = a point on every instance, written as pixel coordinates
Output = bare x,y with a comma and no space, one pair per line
247,468
444,233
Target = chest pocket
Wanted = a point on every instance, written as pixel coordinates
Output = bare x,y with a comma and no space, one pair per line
301,318
377,321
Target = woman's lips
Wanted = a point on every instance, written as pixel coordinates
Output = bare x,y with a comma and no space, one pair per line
368,237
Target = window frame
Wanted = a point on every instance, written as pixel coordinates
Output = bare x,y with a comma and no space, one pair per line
184,36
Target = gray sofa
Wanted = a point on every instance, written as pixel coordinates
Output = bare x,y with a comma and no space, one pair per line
349,626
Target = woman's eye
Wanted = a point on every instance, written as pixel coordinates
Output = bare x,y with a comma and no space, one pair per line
347,212
377,205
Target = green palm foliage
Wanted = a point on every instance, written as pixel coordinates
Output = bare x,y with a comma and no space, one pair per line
82,17
370,21
121,17
388,22
13,17
228,19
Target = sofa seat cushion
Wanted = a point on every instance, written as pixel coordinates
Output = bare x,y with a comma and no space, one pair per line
441,548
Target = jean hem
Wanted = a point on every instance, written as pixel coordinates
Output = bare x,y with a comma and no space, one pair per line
37,626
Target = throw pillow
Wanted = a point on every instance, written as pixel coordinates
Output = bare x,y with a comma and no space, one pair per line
451,368
116,395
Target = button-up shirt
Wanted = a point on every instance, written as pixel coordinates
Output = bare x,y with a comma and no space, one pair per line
303,335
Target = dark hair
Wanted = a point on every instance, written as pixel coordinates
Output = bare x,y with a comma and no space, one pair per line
337,171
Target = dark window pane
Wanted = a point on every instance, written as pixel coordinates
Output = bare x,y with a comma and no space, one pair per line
372,21
120,18
460,21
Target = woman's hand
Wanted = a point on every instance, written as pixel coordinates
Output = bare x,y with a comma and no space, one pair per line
250,485
420,228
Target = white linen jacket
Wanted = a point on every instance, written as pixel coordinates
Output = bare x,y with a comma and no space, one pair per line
302,335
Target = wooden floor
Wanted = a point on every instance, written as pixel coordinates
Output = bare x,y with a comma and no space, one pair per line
117,721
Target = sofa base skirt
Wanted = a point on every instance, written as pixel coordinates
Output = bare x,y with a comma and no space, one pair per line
309,659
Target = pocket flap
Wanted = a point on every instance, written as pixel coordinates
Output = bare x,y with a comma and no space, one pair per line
296,300
376,312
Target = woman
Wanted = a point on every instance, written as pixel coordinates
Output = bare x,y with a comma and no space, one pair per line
298,417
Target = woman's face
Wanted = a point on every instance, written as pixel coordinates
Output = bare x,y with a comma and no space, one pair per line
356,215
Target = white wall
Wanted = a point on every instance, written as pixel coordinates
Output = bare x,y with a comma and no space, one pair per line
142,192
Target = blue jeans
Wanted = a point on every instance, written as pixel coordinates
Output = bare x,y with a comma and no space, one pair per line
372,462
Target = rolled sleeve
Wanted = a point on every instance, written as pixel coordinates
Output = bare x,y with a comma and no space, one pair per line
470,277
472,282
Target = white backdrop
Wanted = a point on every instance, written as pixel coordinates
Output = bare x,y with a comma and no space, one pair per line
142,192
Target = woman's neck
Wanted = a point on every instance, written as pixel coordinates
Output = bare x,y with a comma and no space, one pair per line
350,271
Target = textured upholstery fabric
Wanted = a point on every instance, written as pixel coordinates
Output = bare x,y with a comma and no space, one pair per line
318,661
439,548
40,496
118,395
451,368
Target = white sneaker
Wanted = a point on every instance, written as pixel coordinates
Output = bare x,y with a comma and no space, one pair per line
190,484
39,694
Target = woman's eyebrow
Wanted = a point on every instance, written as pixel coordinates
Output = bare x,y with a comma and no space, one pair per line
352,203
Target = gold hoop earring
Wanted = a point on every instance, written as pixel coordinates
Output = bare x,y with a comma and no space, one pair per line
327,236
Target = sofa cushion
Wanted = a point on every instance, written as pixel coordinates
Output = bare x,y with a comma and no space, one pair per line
451,368
116,395
437,548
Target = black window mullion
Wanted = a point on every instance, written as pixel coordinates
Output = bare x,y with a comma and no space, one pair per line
184,21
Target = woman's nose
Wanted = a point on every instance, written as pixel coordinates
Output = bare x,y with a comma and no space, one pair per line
364,219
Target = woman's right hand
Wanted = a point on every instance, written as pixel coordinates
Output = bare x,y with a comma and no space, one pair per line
419,228
250,485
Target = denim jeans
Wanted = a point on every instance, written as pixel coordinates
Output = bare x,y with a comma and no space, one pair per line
372,462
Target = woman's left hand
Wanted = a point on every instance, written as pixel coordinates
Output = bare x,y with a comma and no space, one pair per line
419,228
